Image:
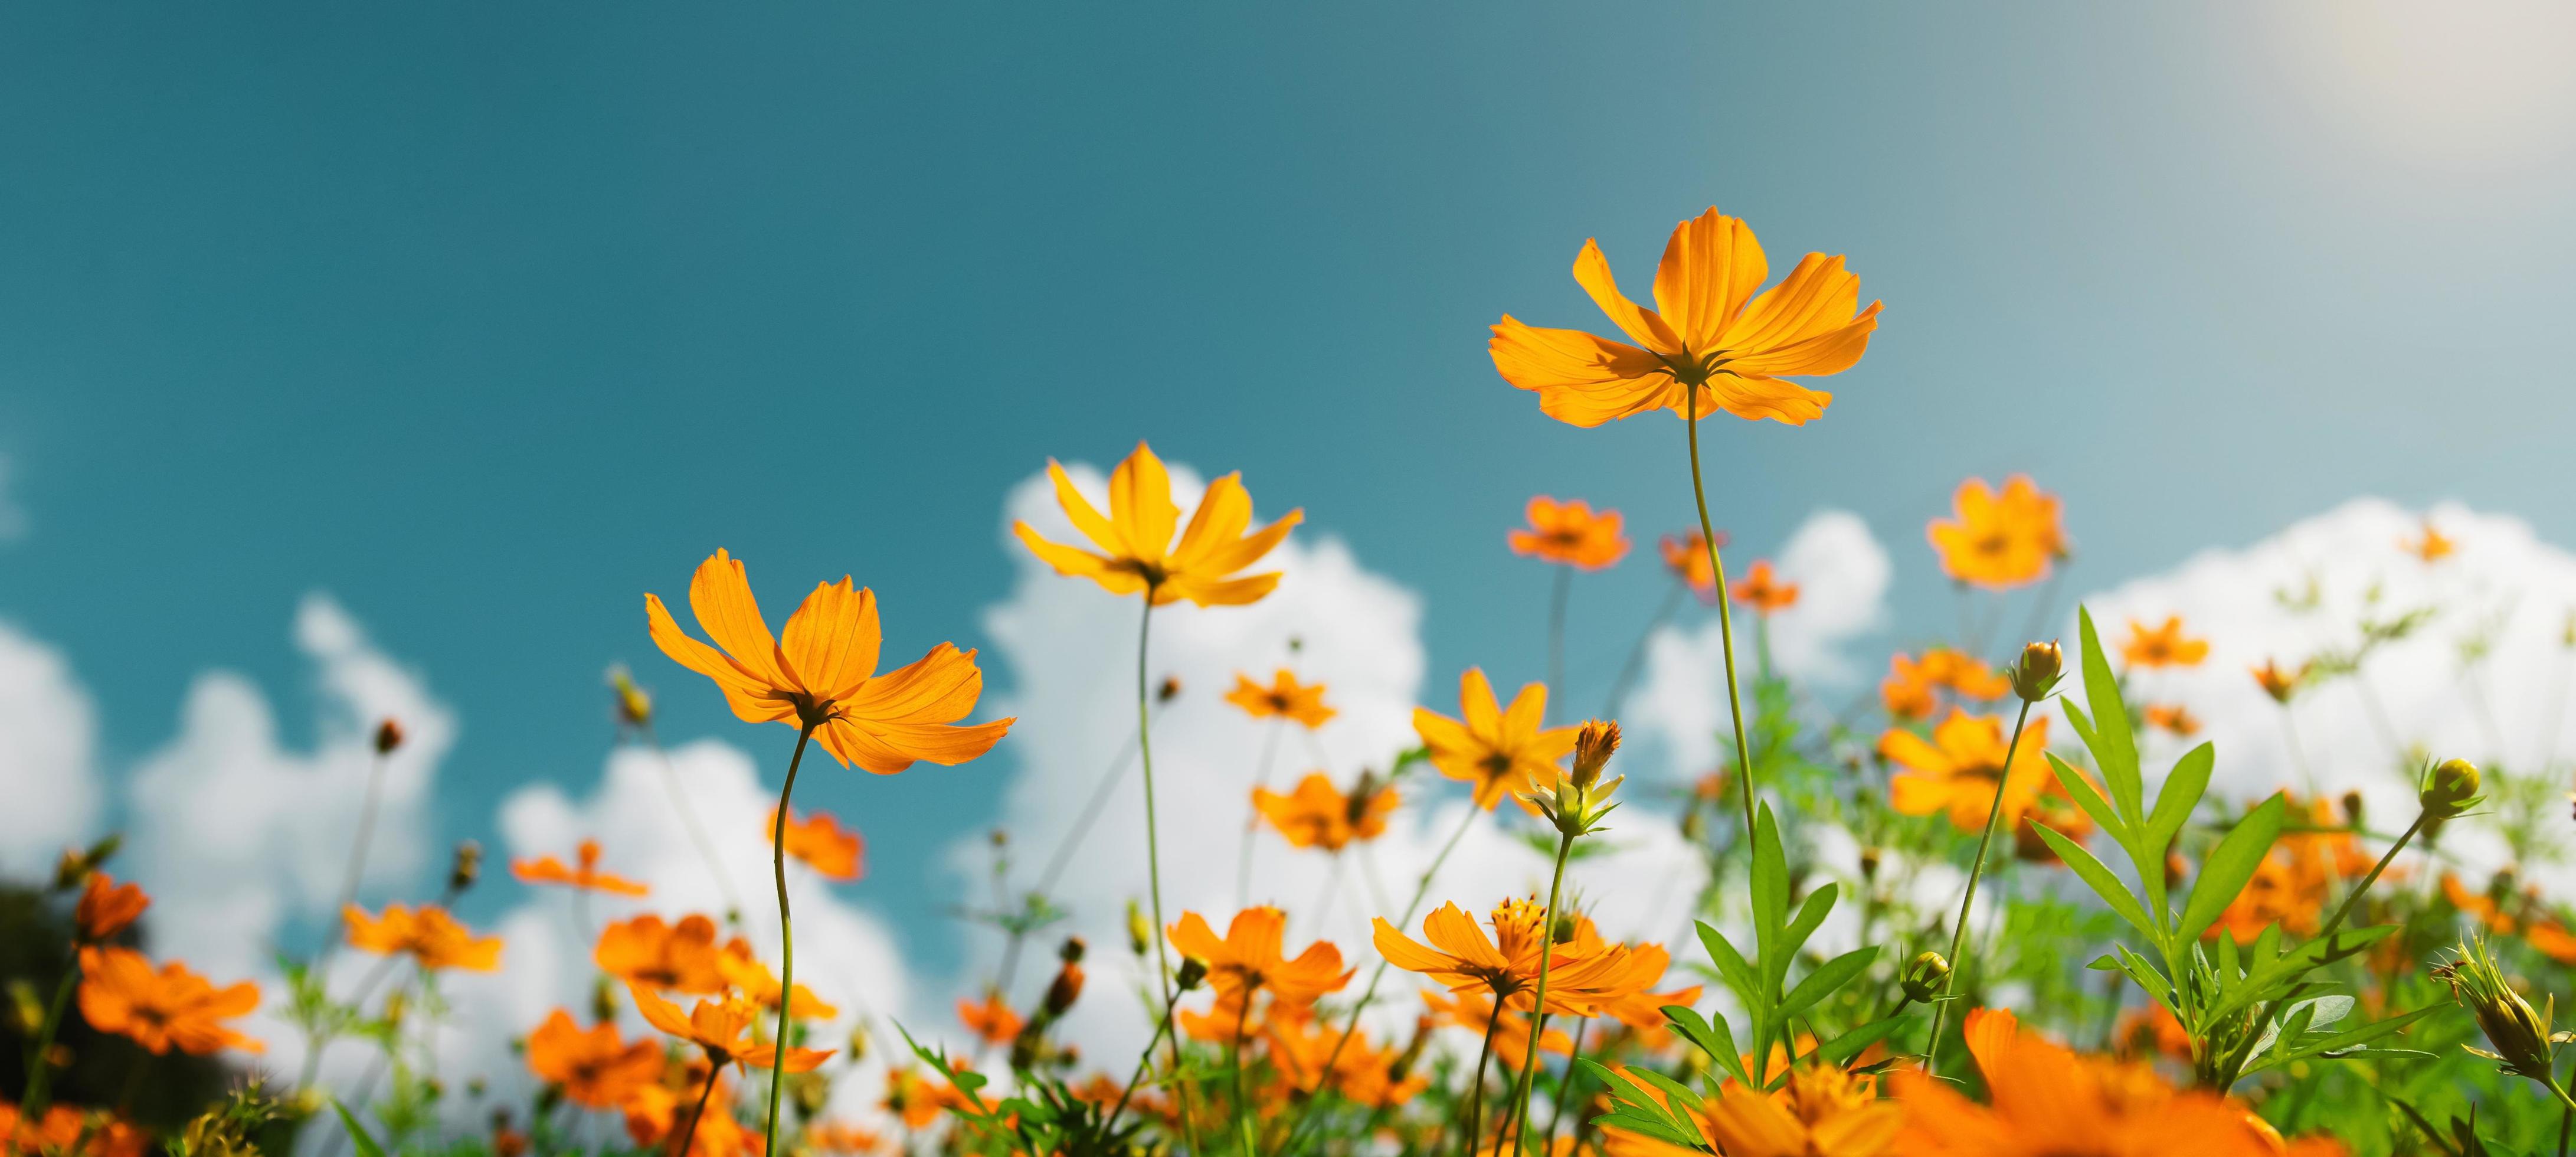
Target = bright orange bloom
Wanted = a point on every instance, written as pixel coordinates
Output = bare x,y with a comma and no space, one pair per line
430,936
2544,934
1999,540
1578,983
1316,815
107,907
1911,689
120,992
1364,1072
586,876
595,1067
719,1027
1686,555
1823,1111
2049,1102
2432,547
1570,533
1285,698
912,1098
2297,877
844,1137
1964,673
2280,684
2163,646
992,1021
1251,957
821,673
656,1114
1707,330
68,1131
1762,590
645,950
1475,1013
746,974
819,840
2151,1030
1502,752
1958,770
1907,692
2173,717
2058,812
1137,554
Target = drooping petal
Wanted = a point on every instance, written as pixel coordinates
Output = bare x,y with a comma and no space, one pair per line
720,596
944,744
659,1013
1140,503
1592,272
1753,397
1403,952
831,641
1450,929
1086,518
1210,593
697,656
1072,562
1476,704
1222,514
1593,378
1711,267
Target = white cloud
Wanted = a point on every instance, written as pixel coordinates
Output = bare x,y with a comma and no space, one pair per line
46,769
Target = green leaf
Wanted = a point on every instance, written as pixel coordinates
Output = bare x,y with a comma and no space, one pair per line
359,1138
1827,977
1712,1036
2113,745
2138,969
1770,884
2086,796
1810,914
1633,1109
2269,979
2232,863
2099,878
1849,1045
1731,964
2181,794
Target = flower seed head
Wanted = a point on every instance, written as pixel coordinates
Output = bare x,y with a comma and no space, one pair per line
2036,674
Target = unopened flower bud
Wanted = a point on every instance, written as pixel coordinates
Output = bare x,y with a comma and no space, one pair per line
858,1043
1140,931
1063,990
1593,746
1869,858
1563,929
1924,976
1694,825
2352,809
811,1091
1170,690
2521,1036
2450,788
2035,675
467,867
389,735
1192,971
603,1001
634,706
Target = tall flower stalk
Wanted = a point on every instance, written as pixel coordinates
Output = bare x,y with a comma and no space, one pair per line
2033,678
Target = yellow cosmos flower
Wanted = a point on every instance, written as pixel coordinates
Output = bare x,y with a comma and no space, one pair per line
1137,553
428,935
1502,752
2164,646
1999,539
1284,698
1707,329
822,673
1961,767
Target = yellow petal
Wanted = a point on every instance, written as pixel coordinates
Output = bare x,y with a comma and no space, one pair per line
1227,558
1711,267
939,687
1592,272
831,641
720,596
697,656
1818,296
1222,514
1476,705
1140,503
1086,518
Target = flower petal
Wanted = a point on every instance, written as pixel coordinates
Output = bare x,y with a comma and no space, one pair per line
1140,503
1581,379
720,596
1086,518
939,687
1224,511
1592,272
1711,267
831,641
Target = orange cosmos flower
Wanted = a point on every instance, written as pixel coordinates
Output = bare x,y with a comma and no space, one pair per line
120,992
1707,329
844,1137
586,877
1686,555
1475,1013
1958,770
1137,553
2432,547
1570,533
1251,958
1999,540
1502,752
67,1130
1823,1111
819,840
1285,698
657,1114
2049,1102
2277,683
430,936
1964,673
2173,717
719,1027
2162,646
1317,816
1364,1073
911,1098
1578,983
1907,691
1762,590
992,1021
107,908
821,673
595,1067
645,950
753,979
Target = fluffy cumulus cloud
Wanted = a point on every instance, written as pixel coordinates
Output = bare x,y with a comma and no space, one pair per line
46,770
1068,649
2484,675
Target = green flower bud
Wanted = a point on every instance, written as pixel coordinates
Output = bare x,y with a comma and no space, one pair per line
2449,789
1924,976
2036,674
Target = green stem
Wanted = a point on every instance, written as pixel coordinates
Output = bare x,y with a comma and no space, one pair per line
1476,1098
1976,871
1636,663
1538,1003
1725,615
697,831
40,1063
1154,858
1556,633
1242,1114
1144,1061
786,938
1252,823
1564,1090
690,1136
357,858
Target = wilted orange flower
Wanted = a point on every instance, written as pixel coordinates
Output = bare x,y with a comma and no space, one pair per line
1474,1011
1251,957
1707,329
1999,540
1958,769
1137,553
1570,533
2432,546
1285,698
585,876
644,950
595,1067
120,992
1316,815
746,974
2280,684
991,1020
1762,590
819,840
2049,1102
1460,956
821,674
107,908
431,937
720,1027
2173,717
2163,646
1686,555
1502,752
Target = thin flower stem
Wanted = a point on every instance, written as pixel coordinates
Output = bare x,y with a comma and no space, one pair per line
1725,615
1564,1089
40,1064
1976,871
697,831
357,855
1154,855
1476,1098
1538,1002
1636,664
1252,822
1143,1062
1242,1117
1556,632
689,1136
786,935
2298,754
1332,890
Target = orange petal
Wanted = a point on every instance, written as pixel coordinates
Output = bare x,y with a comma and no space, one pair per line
1711,267
831,641
1086,519
1140,503
1592,272
720,596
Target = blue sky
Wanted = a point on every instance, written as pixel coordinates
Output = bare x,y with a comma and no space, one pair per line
488,318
